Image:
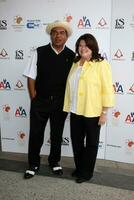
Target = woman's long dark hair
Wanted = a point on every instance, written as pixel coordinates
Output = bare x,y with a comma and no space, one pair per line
92,44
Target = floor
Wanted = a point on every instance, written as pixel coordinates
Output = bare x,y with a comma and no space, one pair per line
112,180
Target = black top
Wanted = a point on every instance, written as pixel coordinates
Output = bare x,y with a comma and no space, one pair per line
52,71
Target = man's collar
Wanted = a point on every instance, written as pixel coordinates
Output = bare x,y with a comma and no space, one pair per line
56,50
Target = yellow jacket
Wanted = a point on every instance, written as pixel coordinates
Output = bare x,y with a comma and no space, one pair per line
95,89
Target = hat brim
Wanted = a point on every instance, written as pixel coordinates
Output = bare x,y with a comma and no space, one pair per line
62,24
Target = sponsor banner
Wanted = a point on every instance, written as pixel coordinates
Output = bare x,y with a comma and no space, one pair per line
21,33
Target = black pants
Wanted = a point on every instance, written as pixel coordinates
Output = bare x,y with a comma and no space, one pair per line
41,111
85,139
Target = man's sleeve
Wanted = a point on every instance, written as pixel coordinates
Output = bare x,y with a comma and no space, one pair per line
31,68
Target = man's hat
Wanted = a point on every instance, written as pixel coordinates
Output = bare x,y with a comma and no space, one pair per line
62,24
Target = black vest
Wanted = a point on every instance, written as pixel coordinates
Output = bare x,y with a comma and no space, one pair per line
52,71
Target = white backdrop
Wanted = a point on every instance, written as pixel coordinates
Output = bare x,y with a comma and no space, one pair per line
22,28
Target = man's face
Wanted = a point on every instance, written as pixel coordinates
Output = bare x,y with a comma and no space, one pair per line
58,37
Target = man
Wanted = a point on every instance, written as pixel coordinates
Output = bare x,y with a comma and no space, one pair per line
47,73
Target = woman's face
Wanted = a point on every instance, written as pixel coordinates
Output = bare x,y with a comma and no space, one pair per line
84,51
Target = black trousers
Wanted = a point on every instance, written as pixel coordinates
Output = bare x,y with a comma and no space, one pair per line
85,139
41,111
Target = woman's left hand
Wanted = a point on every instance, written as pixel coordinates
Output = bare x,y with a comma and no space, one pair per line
102,119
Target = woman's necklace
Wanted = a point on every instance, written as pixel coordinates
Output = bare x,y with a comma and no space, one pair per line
82,62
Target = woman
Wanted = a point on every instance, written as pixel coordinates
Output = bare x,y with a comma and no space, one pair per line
89,94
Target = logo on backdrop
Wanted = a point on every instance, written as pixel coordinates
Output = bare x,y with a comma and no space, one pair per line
20,112
33,24
19,54
131,89
68,17
114,146
5,85
21,137
130,118
6,112
119,23
84,23
7,138
118,88
19,86
3,24
129,146
118,55
3,54
116,115
104,55
101,145
102,24
65,141
18,24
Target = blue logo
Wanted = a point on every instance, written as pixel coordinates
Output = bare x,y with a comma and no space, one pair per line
32,24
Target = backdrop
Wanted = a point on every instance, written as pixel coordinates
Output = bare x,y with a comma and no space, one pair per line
22,28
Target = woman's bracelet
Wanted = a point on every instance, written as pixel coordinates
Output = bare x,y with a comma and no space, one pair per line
104,112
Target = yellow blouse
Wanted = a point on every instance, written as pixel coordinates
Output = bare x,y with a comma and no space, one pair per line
95,89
